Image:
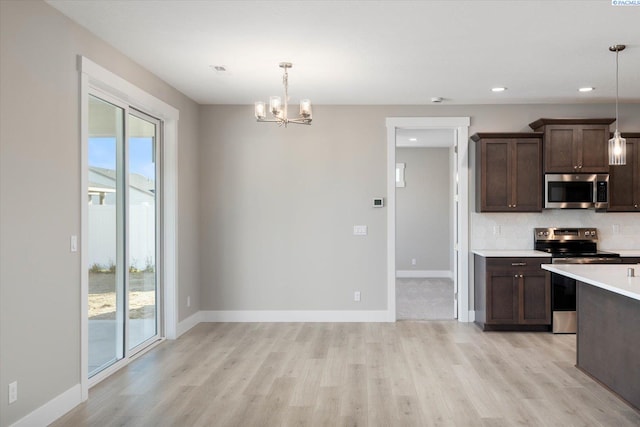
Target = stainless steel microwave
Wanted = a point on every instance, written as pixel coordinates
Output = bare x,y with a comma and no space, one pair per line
576,191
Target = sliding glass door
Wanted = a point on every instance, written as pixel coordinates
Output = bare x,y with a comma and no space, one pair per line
123,239
143,226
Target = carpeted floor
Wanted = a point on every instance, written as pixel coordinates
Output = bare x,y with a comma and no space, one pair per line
424,299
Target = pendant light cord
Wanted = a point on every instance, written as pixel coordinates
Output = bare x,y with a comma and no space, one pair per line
617,52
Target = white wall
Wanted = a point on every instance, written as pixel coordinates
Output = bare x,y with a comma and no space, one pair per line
40,198
516,230
424,210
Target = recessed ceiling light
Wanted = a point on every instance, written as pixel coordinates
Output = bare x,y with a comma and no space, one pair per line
437,99
413,139
586,89
498,89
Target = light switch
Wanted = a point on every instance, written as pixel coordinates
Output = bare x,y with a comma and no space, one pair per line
359,230
74,243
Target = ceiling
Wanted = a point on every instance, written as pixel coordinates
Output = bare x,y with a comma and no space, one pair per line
376,52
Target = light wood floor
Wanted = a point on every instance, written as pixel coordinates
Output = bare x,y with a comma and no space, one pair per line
402,374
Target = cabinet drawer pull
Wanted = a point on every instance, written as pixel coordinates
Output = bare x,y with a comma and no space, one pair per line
517,264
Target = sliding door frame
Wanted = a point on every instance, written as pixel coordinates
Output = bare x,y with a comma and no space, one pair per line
99,81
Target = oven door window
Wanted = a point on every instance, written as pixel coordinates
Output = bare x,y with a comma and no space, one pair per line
561,192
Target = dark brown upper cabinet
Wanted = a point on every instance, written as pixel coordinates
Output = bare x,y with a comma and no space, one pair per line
574,145
508,172
624,180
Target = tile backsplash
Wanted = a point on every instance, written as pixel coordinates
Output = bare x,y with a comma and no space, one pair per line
619,231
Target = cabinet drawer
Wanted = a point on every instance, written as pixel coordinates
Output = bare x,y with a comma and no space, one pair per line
516,263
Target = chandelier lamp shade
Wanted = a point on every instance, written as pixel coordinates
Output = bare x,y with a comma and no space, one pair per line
279,107
617,144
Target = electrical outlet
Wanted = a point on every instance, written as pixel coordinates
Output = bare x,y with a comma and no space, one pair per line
13,392
356,296
616,228
413,261
496,230
188,301
359,230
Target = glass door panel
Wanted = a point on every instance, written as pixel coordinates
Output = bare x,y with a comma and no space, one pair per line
122,237
105,246
142,242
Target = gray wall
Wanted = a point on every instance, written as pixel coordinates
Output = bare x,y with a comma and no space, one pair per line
278,205
40,197
423,210
278,210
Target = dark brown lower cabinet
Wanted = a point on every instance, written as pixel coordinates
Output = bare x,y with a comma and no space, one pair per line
512,293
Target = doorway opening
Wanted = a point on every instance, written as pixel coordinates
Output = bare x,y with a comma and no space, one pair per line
450,134
425,220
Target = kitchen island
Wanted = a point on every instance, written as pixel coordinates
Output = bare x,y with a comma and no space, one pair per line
608,335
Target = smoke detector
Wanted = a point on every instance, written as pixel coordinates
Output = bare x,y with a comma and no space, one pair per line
437,99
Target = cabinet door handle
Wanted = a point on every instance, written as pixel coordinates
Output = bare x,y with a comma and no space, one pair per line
575,167
579,166
517,264
521,276
635,206
515,275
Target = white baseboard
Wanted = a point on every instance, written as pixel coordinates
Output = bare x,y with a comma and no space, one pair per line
294,316
424,274
188,323
53,409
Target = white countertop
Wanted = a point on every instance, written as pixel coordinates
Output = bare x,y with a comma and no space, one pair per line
612,277
508,253
626,252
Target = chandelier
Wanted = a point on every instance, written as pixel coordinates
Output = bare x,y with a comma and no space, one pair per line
617,144
278,110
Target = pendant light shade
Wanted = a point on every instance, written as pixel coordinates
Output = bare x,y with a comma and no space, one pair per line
617,150
617,144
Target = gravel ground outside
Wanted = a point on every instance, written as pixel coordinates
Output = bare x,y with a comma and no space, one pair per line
102,296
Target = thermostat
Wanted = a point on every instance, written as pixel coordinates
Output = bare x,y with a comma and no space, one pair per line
378,203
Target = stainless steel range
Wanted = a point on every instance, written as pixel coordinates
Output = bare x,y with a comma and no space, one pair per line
569,246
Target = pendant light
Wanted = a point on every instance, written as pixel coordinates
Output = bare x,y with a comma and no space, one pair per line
617,144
